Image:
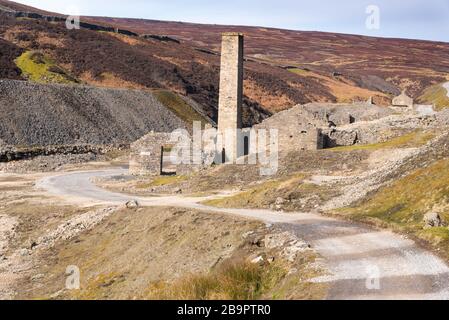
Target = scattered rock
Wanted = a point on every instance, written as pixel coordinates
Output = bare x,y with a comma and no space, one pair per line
278,204
37,277
288,242
177,191
133,204
247,234
31,244
432,220
257,260
73,227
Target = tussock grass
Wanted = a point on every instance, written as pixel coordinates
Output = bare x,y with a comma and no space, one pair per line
233,281
39,68
410,140
179,107
97,287
437,95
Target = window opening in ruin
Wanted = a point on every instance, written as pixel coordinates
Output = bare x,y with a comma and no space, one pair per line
223,156
167,168
246,146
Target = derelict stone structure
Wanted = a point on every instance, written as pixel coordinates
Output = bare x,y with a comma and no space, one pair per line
231,93
146,154
298,129
403,101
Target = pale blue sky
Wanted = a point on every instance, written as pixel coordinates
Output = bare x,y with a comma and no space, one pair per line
417,19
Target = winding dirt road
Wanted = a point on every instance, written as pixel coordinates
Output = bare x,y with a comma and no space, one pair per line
363,263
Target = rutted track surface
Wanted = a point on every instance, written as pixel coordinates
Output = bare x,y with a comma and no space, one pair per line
355,255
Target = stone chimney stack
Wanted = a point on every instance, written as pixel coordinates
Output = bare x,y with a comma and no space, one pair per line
231,92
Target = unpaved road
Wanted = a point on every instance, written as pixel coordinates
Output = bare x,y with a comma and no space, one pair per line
363,263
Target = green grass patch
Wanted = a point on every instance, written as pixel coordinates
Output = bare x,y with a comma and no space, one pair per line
435,236
410,140
259,196
179,107
301,72
236,281
265,194
39,68
436,95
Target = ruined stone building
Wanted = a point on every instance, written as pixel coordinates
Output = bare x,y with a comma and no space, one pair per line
403,100
299,130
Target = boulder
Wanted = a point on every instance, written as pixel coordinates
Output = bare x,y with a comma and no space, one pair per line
432,220
133,204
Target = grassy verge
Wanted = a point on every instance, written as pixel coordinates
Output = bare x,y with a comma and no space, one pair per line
437,95
410,140
179,107
402,205
291,189
39,68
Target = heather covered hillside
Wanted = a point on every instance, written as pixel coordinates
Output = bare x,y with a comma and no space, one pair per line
283,67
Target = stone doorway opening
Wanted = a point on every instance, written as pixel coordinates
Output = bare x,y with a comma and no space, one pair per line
167,167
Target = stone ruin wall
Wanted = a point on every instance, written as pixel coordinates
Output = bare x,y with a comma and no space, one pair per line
146,154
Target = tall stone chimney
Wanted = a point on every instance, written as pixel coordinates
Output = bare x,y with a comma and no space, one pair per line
231,92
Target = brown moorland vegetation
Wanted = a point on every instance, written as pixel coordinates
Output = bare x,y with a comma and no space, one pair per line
283,67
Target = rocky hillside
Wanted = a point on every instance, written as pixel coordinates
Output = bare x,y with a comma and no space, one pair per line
36,114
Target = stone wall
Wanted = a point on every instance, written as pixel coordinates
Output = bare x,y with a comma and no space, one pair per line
378,131
146,157
12,153
403,101
298,128
146,154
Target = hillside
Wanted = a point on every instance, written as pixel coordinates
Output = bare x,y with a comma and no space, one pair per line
283,67
378,64
34,114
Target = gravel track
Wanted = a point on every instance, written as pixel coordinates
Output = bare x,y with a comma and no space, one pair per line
363,263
